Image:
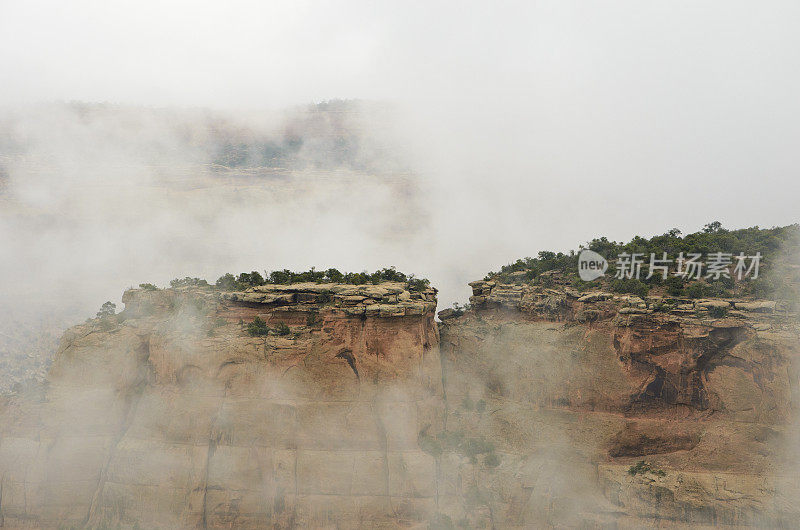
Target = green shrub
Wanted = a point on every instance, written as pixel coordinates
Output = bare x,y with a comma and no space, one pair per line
774,244
417,284
108,309
282,329
630,286
334,276
583,286
257,328
226,282
229,282
696,290
187,282
459,309
675,286
701,289
761,287
250,279
642,468
717,312
148,287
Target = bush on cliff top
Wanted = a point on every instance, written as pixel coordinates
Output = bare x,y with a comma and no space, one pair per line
187,282
776,245
229,282
108,309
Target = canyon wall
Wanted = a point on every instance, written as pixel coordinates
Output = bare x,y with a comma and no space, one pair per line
629,411
349,406
171,415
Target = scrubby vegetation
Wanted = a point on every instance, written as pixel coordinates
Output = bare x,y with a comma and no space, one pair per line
187,282
230,282
259,328
717,312
148,287
108,309
642,468
779,275
320,136
459,309
282,329
630,286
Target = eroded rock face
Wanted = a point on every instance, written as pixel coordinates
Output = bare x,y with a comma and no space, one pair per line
538,407
170,415
701,392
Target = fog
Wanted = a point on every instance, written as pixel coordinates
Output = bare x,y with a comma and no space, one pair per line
526,126
476,134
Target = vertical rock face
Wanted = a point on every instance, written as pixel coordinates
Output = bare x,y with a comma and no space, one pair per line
348,407
618,409
171,415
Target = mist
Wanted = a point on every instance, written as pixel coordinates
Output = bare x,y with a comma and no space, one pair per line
136,139
525,127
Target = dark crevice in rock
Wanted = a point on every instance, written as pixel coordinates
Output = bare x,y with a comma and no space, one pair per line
131,398
347,355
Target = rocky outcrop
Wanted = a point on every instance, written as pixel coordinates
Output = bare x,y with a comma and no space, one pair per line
171,415
350,407
657,409
384,300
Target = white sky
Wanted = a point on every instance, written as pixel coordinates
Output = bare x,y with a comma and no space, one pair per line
536,124
237,53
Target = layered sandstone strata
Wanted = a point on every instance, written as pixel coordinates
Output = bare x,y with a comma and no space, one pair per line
171,415
591,384
537,407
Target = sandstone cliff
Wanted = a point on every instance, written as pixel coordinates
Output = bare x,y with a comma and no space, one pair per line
537,407
654,411
170,415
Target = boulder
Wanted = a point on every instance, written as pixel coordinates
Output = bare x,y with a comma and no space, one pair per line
447,313
761,306
595,297
716,304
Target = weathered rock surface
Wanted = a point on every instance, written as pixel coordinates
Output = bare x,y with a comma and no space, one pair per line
532,409
706,401
170,415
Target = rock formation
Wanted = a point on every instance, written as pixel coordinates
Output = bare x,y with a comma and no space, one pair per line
171,415
670,409
351,407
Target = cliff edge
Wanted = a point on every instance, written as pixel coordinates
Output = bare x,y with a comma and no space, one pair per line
670,409
322,404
